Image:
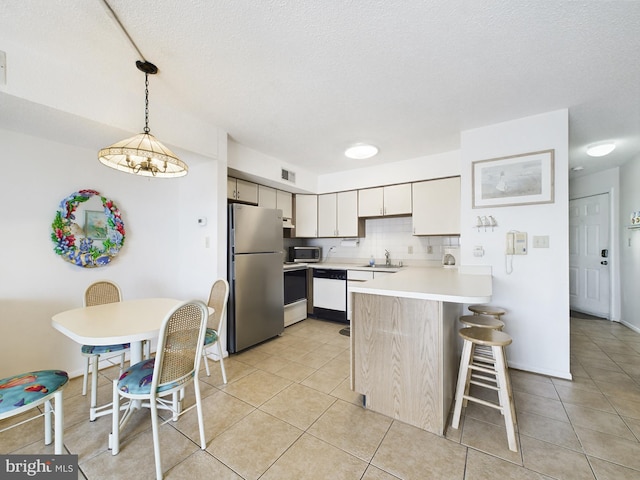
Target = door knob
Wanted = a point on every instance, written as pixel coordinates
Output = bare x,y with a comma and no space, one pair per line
604,262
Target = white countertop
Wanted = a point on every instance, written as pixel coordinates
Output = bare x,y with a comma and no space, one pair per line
427,283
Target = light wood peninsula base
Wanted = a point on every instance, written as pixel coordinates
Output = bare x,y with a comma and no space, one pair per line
404,357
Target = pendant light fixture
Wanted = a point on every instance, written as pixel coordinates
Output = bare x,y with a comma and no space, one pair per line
143,154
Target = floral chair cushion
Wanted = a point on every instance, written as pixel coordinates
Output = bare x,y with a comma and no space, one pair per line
136,379
100,349
26,388
210,337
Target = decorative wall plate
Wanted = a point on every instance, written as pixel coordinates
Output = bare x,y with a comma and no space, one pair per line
94,242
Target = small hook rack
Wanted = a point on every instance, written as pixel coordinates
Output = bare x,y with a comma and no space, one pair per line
486,221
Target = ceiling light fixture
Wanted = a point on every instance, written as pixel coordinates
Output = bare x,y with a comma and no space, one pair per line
600,149
361,152
143,154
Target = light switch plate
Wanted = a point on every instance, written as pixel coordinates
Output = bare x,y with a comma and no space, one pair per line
541,241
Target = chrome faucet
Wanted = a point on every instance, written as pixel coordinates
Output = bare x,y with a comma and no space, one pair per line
387,258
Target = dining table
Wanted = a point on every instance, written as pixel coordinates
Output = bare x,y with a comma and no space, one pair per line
127,321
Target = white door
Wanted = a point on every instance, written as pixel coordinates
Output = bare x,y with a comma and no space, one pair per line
589,280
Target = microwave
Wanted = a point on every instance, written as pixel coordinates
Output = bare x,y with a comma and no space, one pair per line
305,254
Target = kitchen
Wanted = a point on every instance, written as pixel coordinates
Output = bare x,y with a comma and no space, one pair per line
189,253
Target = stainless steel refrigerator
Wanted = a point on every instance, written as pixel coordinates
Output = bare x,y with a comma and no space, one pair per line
256,297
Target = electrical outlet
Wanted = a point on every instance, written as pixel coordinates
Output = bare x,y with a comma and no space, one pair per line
410,249
429,249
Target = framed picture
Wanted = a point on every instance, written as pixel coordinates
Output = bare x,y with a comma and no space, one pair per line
524,179
95,224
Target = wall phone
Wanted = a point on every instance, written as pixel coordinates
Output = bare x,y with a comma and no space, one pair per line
516,243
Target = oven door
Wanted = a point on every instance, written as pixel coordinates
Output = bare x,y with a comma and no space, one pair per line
295,285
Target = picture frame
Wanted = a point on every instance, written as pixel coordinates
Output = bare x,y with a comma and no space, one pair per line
95,224
524,179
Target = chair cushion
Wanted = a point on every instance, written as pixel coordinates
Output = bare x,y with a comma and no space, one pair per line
210,337
136,379
26,388
100,349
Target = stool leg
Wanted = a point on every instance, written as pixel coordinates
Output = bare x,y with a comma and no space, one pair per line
47,422
505,399
463,382
59,422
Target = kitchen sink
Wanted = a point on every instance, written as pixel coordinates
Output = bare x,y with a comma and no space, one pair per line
383,266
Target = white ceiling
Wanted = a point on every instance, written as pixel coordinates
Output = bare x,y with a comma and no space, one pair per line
301,80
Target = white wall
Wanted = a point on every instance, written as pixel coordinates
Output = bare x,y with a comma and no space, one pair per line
536,294
630,244
421,168
266,170
607,181
163,254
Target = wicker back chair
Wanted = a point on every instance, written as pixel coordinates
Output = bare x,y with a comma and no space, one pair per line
218,298
175,365
100,293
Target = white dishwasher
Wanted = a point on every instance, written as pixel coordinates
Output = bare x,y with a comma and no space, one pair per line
330,294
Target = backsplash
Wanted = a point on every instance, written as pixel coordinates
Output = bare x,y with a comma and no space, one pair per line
393,234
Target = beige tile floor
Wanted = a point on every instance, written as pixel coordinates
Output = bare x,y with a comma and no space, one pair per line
288,413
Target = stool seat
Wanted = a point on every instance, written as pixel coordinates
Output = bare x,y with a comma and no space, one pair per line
28,391
487,310
482,321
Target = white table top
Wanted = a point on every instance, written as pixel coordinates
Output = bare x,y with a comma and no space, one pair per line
112,323
440,284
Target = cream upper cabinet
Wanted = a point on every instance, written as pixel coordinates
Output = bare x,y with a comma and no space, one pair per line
284,201
371,202
381,201
327,211
436,207
347,222
242,190
338,215
267,197
306,216
231,188
397,199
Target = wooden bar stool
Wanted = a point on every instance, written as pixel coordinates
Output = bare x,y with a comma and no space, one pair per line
493,376
496,312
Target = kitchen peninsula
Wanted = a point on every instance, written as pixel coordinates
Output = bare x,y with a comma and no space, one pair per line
404,357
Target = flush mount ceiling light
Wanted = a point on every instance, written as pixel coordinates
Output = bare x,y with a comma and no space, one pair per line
600,149
143,154
361,152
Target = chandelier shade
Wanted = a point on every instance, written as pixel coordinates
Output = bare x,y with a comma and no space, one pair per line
143,154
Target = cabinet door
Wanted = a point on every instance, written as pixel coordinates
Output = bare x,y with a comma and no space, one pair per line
247,192
347,221
397,199
306,216
436,207
327,210
267,197
370,202
231,188
284,201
